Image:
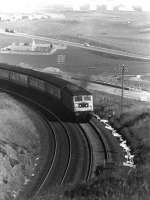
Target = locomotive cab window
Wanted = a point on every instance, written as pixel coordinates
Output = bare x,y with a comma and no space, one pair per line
77,98
87,98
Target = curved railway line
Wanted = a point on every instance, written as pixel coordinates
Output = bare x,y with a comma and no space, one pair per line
47,116
84,152
65,142
65,139
78,148
104,142
98,145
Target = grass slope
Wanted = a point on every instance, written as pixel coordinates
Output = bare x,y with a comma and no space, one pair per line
20,130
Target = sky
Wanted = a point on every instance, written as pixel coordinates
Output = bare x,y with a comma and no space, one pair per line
29,5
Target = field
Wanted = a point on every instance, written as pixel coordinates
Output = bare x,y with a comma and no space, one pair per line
127,31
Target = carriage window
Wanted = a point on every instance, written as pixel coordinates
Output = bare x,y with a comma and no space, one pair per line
78,98
87,98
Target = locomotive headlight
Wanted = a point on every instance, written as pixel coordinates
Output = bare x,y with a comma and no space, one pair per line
76,105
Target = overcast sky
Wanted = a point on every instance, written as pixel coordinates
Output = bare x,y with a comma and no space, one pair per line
28,5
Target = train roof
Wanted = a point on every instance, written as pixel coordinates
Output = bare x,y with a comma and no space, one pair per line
76,90
58,82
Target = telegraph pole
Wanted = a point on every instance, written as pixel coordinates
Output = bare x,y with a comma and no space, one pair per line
123,69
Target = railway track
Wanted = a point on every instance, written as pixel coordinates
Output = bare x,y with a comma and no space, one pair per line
61,143
106,147
64,151
78,148
90,153
99,145
49,162
81,155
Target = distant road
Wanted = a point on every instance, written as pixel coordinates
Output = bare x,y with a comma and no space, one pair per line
79,45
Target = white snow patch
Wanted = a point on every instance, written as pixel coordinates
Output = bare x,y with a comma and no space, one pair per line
104,121
123,143
27,180
108,127
96,116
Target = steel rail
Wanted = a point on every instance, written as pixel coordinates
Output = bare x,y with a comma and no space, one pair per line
97,141
69,160
99,133
90,150
51,166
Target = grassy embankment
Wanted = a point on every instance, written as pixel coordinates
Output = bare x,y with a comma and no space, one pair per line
132,124
20,137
